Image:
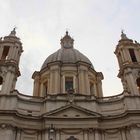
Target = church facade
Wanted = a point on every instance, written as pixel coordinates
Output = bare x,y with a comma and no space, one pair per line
67,101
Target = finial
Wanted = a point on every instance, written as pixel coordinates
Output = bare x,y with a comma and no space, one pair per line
123,35
13,32
67,32
67,41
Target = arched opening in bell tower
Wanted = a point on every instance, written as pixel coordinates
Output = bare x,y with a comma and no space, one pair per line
1,82
138,84
5,53
132,55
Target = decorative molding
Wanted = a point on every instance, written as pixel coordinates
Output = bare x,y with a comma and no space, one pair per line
71,132
112,131
7,126
31,132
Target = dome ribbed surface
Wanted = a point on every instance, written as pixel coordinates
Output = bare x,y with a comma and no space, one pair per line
66,56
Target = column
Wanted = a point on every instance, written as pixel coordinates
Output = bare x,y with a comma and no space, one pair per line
13,52
85,135
9,134
46,136
125,56
123,134
18,59
132,84
74,84
135,134
122,55
137,55
91,134
1,51
119,59
99,86
57,135
63,84
41,90
17,54
39,135
103,135
128,56
8,82
81,81
128,136
48,85
18,137
56,81
87,83
10,52
97,135
94,88
51,82
36,86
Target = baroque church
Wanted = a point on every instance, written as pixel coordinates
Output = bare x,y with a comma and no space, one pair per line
67,101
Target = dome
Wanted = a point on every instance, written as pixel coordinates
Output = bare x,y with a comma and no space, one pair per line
67,54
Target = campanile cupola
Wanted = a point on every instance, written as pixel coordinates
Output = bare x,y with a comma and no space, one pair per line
67,41
128,55
10,52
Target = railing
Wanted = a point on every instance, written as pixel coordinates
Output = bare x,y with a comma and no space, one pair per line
64,96
26,97
111,98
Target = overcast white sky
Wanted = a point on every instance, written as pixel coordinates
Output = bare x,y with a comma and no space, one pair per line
95,26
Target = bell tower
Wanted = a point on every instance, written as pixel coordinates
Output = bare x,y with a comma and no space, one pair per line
128,55
10,52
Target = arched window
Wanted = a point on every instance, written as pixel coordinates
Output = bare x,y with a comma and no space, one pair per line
1,81
138,83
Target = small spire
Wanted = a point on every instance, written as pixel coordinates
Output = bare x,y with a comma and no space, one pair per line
13,32
123,35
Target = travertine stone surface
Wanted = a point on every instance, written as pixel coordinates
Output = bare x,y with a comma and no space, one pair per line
82,113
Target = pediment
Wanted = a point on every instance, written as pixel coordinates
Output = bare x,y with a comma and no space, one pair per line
72,111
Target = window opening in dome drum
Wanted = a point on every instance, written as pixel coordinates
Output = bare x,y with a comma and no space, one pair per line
68,83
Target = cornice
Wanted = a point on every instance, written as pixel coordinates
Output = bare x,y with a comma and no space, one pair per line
98,126
126,66
8,63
